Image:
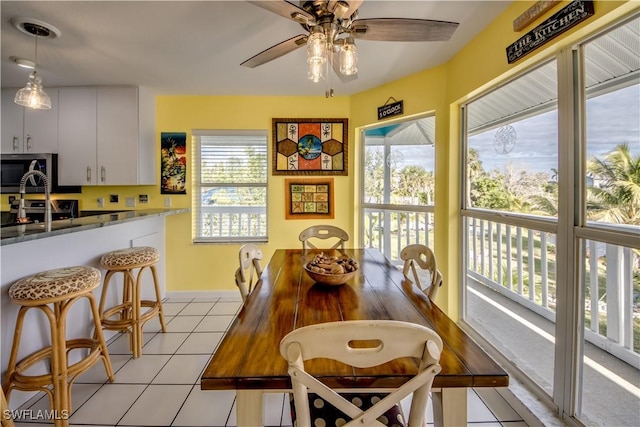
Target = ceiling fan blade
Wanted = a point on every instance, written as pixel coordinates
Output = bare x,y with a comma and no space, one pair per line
403,29
286,9
276,51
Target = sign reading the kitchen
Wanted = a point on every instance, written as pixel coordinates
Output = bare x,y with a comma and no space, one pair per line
389,110
557,24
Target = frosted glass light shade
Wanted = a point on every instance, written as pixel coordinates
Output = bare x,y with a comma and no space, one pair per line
32,95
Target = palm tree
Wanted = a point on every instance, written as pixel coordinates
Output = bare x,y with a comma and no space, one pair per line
615,193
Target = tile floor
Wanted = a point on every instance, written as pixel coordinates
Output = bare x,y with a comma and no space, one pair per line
161,388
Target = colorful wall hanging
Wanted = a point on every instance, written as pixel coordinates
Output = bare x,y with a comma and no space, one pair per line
310,146
309,198
173,163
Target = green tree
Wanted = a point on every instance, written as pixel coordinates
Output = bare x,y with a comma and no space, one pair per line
615,192
414,185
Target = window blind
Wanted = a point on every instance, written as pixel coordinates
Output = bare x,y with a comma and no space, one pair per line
230,186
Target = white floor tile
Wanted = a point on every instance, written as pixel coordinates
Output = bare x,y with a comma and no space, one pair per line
197,308
183,323
141,370
153,325
173,308
39,412
98,375
226,307
477,411
165,343
214,323
182,369
498,406
108,405
201,343
206,408
157,406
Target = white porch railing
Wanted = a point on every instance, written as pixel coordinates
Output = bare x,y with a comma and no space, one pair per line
519,263
232,223
390,229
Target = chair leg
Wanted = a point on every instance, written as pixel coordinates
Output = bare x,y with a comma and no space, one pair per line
13,358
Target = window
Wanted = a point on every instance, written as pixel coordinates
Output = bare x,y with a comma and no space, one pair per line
229,186
398,185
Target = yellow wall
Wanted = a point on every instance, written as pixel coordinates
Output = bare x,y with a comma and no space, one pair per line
211,266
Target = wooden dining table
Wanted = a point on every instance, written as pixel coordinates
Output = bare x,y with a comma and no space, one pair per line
285,298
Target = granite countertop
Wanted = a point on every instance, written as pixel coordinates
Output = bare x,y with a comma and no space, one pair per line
34,231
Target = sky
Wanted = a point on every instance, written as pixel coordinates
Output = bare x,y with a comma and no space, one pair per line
612,119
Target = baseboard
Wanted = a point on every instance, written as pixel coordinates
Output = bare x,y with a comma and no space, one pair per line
202,295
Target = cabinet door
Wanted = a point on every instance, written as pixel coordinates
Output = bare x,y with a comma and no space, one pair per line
12,123
41,127
77,136
118,136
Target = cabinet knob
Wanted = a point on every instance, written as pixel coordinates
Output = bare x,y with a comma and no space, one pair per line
15,143
88,173
103,174
28,142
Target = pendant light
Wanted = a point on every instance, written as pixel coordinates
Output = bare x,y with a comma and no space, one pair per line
317,54
33,95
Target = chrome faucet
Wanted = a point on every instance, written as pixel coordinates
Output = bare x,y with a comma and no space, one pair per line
47,209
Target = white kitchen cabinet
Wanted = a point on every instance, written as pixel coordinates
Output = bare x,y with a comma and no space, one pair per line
107,136
25,130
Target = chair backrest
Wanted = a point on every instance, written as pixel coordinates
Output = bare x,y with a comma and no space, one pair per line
323,232
386,339
425,259
250,256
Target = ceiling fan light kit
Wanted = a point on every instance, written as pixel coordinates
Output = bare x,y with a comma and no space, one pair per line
333,27
33,95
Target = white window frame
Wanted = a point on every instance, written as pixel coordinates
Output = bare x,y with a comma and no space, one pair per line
244,217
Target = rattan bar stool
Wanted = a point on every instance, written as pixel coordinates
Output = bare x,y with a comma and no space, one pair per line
53,292
128,316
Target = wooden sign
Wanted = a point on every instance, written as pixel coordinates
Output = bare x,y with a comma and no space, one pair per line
389,110
557,24
533,13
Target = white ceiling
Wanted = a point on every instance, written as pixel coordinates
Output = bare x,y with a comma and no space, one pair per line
196,47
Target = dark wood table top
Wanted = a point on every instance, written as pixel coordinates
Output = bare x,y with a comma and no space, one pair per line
287,298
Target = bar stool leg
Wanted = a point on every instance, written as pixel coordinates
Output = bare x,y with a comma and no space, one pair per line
13,358
59,365
158,299
106,360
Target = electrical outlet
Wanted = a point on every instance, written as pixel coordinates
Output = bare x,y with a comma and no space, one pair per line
130,202
100,202
167,202
143,198
113,198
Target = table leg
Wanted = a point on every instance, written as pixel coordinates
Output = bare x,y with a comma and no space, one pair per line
449,407
249,408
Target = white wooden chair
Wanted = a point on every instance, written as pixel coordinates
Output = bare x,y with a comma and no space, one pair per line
323,232
248,274
426,260
390,340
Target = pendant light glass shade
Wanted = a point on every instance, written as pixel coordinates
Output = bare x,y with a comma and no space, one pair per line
348,56
317,55
32,95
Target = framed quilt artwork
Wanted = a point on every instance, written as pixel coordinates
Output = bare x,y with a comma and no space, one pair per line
309,198
310,146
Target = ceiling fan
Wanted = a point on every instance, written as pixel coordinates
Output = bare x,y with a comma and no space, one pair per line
332,28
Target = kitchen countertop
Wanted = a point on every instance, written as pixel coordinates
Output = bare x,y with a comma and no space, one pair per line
23,233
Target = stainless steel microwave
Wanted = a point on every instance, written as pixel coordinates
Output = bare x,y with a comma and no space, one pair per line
14,166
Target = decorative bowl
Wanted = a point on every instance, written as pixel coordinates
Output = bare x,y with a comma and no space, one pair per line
329,279
331,270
